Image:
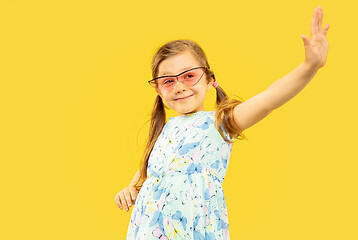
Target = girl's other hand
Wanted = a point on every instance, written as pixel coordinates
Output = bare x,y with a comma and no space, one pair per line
126,197
316,48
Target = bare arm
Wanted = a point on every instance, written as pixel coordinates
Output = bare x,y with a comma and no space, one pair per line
135,178
259,106
316,50
289,86
256,108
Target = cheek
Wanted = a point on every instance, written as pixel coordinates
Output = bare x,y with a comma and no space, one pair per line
168,100
200,94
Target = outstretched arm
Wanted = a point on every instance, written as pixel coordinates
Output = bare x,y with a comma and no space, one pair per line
316,51
289,86
259,106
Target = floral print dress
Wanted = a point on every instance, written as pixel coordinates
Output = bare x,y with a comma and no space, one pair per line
182,197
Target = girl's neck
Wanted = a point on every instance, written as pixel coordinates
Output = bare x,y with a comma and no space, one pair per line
189,114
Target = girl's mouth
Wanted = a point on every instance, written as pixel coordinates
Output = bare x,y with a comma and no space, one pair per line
180,99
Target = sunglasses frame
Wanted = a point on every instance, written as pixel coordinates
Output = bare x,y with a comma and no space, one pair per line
177,77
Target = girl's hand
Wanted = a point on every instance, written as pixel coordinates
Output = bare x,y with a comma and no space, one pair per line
316,49
126,197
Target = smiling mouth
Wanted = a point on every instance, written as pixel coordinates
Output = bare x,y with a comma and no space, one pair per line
178,99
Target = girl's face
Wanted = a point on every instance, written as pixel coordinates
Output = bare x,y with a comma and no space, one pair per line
196,93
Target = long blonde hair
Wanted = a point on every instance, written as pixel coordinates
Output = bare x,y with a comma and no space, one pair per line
225,105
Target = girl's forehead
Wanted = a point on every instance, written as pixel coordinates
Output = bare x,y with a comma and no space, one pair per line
177,64
170,72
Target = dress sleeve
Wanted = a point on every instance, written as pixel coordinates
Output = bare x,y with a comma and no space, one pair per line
226,134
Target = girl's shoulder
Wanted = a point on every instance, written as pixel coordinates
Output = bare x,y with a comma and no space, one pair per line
223,126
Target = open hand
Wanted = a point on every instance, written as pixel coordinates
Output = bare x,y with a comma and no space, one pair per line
316,48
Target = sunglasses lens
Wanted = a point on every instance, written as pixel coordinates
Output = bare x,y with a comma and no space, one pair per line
189,78
165,84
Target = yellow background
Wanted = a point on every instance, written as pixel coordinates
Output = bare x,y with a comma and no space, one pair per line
75,101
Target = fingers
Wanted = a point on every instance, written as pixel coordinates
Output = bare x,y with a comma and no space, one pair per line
121,200
320,16
325,29
314,24
126,198
134,194
118,201
316,20
306,41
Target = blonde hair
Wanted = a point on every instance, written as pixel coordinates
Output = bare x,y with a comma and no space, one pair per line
225,105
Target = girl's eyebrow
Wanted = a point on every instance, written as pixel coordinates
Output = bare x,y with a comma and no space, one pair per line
181,70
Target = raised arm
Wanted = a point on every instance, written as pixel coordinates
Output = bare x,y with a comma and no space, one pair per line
259,106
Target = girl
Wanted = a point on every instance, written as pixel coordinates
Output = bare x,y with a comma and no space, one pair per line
178,189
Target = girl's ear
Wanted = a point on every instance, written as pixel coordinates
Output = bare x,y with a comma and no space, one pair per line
210,84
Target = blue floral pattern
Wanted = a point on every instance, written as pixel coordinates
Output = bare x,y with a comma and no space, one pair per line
182,197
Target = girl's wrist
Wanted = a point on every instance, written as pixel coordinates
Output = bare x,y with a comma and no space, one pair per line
311,66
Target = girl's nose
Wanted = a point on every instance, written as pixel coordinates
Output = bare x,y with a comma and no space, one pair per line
179,86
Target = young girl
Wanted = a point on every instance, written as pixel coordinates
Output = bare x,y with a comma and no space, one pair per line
178,191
